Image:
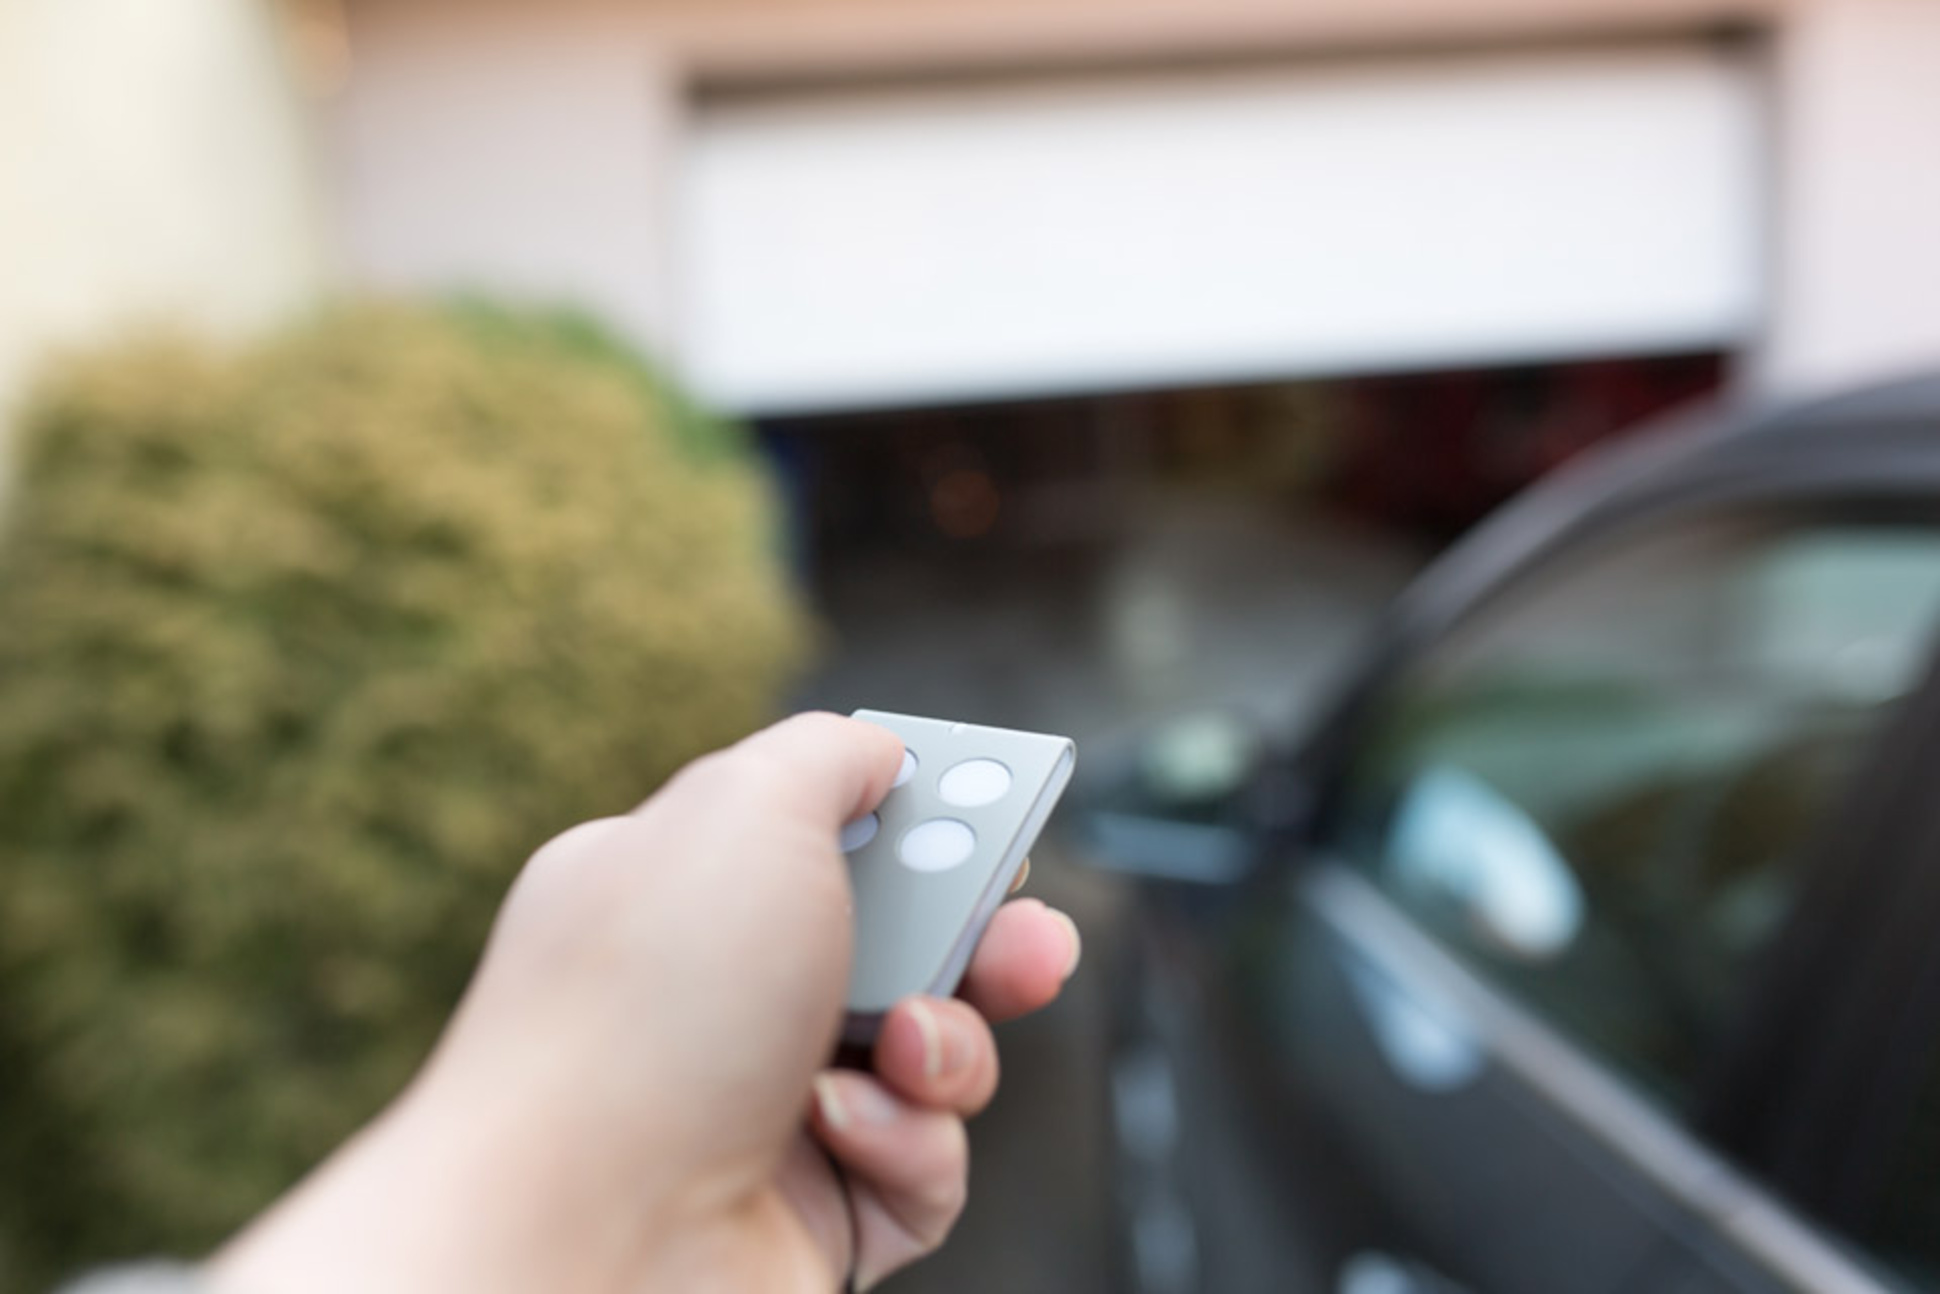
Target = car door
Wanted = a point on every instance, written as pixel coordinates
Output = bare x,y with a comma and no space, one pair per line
1879,1184
1564,839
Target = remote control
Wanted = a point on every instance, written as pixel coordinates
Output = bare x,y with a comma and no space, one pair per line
931,864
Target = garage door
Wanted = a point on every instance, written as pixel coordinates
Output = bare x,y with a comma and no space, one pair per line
899,246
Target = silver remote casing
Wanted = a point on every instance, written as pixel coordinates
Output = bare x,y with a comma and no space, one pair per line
917,926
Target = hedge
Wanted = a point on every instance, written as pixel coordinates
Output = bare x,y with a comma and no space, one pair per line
303,647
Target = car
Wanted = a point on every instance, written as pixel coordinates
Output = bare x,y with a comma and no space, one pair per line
1590,942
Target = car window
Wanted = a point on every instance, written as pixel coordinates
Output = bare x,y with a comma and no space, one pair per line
1597,790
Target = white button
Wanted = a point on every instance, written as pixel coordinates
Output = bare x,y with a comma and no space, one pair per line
860,832
936,845
907,771
974,782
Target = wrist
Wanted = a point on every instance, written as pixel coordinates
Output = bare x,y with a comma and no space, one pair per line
435,1195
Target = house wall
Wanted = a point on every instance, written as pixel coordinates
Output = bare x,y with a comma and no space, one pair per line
527,154
1857,191
154,162
534,149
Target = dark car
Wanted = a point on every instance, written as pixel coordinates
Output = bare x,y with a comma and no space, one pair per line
1591,944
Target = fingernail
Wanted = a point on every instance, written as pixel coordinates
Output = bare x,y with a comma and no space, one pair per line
829,1100
1077,942
927,1025
846,1102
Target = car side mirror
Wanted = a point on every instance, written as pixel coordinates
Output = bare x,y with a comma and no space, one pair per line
1459,844
1192,800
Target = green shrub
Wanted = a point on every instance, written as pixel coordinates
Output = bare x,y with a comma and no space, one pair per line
302,650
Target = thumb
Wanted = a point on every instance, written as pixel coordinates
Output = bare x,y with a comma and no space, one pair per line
834,769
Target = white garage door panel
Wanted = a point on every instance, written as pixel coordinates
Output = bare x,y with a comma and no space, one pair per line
964,242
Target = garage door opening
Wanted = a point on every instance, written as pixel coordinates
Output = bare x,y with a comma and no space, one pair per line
1424,455
1108,556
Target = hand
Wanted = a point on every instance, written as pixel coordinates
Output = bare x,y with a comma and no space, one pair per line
631,1095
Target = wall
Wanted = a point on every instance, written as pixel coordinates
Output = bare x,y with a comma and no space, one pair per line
1857,263
533,147
526,153
153,164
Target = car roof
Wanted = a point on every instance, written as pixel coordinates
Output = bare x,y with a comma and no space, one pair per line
1885,432
1899,415
1893,409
